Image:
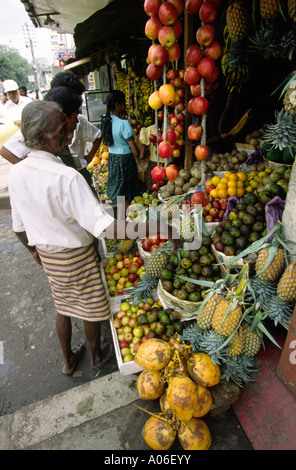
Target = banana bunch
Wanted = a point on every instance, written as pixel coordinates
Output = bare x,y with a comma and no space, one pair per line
235,78
234,63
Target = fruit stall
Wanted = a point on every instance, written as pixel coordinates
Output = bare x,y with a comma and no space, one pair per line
218,84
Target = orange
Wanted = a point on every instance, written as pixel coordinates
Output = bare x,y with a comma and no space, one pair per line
214,193
240,192
241,176
239,184
221,186
222,193
215,180
224,179
232,184
231,191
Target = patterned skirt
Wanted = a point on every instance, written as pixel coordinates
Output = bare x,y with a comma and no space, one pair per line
123,179
76,284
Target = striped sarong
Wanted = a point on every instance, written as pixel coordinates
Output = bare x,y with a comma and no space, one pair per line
76,284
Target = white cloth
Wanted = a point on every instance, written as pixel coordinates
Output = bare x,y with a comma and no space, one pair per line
13,112
16,145
53,204
84,132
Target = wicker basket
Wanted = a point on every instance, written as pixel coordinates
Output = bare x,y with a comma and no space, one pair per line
185,307
221,257
274,165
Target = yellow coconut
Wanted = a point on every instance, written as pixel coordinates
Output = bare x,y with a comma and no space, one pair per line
194,435
202,370
105,155
153,354
149,385
182,397
204,402
163,402
158,434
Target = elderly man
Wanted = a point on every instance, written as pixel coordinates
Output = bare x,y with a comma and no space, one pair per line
15,103
56,216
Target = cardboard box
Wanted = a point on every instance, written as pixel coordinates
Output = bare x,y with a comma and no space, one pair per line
127,368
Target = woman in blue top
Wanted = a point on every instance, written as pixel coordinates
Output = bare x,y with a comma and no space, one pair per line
117,134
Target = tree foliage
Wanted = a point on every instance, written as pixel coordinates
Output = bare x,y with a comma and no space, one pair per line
14,67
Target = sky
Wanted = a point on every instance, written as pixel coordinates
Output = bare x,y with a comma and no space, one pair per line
12,17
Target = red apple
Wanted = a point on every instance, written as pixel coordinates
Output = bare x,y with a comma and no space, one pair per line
160,115
190,105
198,197
132,277
158,173
123,344
166,36
177,82
214,212
165,149
159,55
174,121
140,261
133,268
153,72
216,204
200,105
174,52
192,6
181,92
172,172
152,28
149,57
153,248
193,55
214,51
154,239
223,204
195,90
221,213
172,74
177,27
155,187
151,7
213,76
194,132
176,153
208,218
205,35
146,244
208,12
167,13
191,75
171,136
179,5
206,66
201,152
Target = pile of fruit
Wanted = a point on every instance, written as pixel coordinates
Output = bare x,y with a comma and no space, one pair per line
182,382
152,243
136,323
123,271
99,162
227,161
232,184
244,225
111,244
194,264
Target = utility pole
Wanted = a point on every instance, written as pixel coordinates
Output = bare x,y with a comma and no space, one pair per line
29,43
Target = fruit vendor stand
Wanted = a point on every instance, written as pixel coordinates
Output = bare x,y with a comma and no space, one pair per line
218,82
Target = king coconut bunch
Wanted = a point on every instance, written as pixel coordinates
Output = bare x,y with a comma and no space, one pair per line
182,381
223,329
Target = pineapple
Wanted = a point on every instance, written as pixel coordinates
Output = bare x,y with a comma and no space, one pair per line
156,263
269,9
273,271
280,311
251,341
292,9
225,322
187,228
125,246
290,96
263,290
286,289
237,20
282,134
236,344
205,314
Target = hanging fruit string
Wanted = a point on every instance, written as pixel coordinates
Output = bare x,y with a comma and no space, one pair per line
156,123
165,111
203,136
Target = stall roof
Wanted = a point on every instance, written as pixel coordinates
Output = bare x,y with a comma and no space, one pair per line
66,14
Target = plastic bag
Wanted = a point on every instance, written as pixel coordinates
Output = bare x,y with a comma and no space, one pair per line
273,212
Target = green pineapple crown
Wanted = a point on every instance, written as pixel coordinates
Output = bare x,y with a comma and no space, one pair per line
282,134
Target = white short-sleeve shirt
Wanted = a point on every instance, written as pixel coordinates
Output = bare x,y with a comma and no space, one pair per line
53,204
